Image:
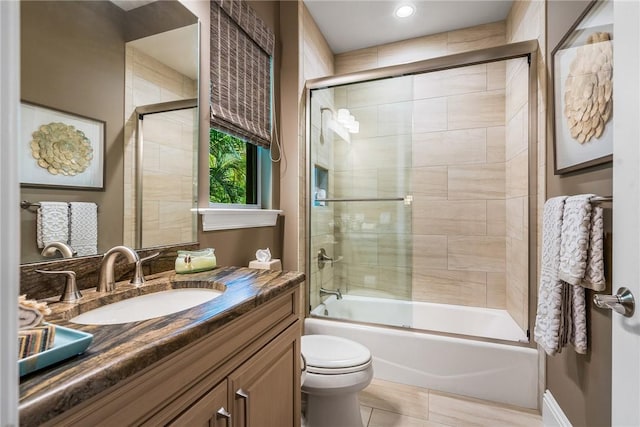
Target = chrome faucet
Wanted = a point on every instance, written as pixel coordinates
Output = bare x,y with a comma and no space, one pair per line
337,292
107,281
65,250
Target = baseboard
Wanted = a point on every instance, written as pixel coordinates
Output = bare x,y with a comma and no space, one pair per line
552,414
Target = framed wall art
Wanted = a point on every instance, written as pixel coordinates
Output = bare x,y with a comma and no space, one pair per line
582,66
60,149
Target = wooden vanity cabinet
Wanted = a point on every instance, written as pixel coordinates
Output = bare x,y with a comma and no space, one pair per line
246,374
261,387
258,393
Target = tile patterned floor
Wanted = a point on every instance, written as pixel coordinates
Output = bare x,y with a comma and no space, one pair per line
387,404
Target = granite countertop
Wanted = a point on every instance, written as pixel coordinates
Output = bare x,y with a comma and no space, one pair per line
119,351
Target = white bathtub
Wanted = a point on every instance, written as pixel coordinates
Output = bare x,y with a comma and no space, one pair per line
454,319
486,370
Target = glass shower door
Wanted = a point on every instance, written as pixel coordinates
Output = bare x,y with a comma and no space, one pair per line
360,215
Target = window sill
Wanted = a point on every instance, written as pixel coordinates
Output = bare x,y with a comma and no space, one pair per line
228,219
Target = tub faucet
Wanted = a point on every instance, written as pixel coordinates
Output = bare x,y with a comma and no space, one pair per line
337,292
65,250
107,281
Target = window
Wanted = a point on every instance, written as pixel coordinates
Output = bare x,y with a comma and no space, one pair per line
241,55
233,170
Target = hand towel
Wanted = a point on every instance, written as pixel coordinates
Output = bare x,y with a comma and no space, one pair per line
550,316
52,223
35,340
581,263
594,274
576,228
578,309
83,228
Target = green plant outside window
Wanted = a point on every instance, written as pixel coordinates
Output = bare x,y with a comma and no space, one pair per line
227,168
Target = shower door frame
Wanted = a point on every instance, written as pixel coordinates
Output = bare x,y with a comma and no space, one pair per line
140,112
526,49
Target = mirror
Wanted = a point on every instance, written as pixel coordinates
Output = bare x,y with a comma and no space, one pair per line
104,60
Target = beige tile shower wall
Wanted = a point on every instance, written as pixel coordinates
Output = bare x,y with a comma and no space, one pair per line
459,188
517,158
168,165
374,238
322,216
418,49
457,166
526,21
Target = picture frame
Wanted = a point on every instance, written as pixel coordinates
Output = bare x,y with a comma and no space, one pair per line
582,78
59,149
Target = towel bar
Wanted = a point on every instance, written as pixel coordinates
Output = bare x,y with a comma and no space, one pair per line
623,302
602,199
25,204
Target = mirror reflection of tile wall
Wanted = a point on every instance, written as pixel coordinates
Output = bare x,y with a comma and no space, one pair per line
168,166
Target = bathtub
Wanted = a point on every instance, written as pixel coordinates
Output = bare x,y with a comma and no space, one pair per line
485,370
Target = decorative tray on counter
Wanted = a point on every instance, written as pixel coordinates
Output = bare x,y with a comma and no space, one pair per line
67,343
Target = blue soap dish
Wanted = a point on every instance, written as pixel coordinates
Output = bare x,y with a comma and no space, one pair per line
67,343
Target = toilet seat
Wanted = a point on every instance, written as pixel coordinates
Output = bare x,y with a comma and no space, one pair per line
331,355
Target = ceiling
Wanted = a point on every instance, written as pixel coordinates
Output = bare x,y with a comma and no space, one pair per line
354,24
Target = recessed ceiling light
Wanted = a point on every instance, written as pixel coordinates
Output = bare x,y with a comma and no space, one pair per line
404,11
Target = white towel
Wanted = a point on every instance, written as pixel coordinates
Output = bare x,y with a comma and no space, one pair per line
551,319
571,258
83,228
594,275
52,223
576,229
578,309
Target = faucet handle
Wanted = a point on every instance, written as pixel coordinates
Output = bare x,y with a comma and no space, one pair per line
70,292
138,275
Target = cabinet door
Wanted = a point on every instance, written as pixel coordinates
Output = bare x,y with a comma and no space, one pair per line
209,411
265,390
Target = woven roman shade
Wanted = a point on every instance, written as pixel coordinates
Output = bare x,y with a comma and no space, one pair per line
241,51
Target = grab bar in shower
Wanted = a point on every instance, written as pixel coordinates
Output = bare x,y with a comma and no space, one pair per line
408,199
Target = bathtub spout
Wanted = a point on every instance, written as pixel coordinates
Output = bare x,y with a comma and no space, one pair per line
337,292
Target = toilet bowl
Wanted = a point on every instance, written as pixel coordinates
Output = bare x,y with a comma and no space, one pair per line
336,370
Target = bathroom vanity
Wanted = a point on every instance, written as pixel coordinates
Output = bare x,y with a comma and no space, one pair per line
232,360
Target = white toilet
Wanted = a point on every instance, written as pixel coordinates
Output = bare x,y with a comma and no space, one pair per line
336,370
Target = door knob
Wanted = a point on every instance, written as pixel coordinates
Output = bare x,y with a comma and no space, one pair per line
622,302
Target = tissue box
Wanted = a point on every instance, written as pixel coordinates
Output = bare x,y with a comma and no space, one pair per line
274,264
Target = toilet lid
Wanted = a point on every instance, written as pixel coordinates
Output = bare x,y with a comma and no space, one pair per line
330,352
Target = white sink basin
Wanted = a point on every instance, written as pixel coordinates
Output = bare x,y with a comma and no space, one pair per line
146,306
